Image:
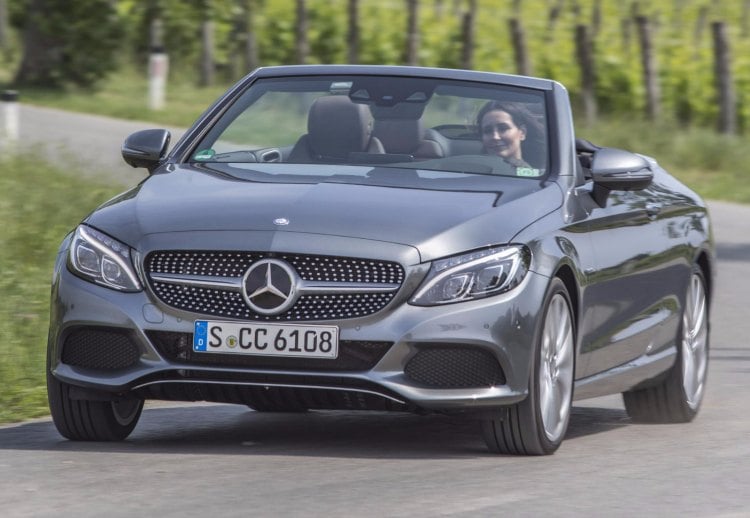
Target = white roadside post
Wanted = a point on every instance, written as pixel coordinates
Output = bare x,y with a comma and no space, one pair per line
10,118
158,68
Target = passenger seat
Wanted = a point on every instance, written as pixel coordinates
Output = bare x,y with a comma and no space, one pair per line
406,137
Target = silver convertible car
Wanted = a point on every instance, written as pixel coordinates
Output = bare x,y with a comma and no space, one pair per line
385,238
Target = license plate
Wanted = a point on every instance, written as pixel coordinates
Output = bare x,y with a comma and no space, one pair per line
262,339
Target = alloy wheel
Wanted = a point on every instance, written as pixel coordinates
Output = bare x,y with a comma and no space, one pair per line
694,343
556,368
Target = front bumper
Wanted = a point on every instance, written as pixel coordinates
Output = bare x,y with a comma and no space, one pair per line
503,327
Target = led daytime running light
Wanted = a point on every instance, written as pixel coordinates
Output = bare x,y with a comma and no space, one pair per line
506,267
110,250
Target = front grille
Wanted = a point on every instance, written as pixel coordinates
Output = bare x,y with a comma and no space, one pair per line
447,366
100,348
229,303
353,355
309,267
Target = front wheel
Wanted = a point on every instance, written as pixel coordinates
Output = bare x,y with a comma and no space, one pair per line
537,425
83,420
678,397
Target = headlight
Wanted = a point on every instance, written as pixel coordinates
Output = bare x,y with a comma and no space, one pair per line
473,276
99,258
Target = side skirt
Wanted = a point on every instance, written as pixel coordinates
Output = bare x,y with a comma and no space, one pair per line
625,377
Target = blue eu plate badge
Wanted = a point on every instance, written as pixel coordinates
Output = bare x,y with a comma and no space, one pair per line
200,336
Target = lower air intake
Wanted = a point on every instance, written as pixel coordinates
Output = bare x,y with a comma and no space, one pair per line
100,348
447,366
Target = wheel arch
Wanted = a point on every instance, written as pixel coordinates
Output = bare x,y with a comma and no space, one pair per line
705,264
566,275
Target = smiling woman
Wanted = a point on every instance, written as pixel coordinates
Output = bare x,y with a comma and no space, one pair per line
511,131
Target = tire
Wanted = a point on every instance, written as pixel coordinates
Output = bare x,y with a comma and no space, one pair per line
537,425
677,398
83,420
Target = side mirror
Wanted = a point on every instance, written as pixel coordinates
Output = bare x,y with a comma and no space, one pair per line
618,170
146,148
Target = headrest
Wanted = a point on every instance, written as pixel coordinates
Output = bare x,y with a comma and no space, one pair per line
336,126
399,135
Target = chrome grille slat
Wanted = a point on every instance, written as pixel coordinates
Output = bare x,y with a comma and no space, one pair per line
210,283
201,281
235,284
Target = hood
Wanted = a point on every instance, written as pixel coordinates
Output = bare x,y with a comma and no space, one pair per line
436,222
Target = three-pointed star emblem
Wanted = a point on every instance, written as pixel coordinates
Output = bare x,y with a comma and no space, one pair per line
270,286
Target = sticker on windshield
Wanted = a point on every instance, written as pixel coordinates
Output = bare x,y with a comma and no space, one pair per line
528,171
204,154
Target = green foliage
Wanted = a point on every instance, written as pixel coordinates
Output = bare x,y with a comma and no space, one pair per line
383,29
74,41
327,34
713,165
275,30
681,31
36,211
181,28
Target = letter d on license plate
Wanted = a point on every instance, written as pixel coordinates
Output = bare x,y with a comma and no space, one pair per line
262,339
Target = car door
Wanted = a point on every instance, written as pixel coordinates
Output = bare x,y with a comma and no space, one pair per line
631,293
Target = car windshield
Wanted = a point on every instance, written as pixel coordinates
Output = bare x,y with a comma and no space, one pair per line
406,125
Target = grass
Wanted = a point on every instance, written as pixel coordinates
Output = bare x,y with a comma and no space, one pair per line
713,165
37,212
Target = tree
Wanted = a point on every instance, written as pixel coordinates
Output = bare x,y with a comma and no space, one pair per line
412,32
251,46
207,44
352,36
67,41
468,35
3,25
301,46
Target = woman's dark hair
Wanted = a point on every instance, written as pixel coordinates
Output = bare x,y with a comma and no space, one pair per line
533,148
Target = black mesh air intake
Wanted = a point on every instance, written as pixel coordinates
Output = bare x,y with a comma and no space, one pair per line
100,348
447,366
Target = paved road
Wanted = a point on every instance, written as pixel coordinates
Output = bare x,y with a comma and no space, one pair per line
190,460
91,143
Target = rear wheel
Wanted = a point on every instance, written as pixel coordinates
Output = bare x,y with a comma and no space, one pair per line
83,420
537,425
678,397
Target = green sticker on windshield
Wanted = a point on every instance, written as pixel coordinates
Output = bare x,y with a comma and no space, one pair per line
528,171
204,154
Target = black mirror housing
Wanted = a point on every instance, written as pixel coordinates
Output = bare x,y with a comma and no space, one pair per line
618,170
146,148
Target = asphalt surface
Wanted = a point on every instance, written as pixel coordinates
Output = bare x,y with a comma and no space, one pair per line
222,460
89,145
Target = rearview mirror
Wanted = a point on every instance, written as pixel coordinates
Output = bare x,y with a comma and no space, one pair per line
146,148
618,170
